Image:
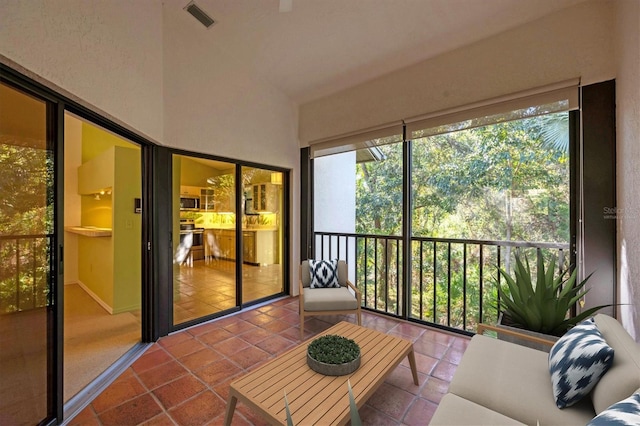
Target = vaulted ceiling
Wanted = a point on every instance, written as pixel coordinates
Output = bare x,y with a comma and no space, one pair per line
324,46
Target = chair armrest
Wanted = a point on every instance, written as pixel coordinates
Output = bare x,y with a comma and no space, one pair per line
486,327
358,293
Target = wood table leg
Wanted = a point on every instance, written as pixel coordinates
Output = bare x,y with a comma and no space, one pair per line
231,407
414,370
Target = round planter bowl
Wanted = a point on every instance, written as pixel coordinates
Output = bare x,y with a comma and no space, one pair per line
333,369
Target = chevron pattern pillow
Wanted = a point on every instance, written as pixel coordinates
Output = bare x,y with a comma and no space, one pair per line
577,361
625,412
324,274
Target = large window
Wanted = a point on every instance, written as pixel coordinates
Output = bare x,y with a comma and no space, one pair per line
478,195
425,222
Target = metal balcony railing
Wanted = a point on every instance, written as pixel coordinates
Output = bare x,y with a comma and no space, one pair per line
24,272
452,283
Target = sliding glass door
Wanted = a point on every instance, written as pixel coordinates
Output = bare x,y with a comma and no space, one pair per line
262,233
228,222
204,255
26,245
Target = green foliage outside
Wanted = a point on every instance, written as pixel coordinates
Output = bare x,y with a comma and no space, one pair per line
502,182
25,211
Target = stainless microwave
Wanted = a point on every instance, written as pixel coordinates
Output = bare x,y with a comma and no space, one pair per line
189,203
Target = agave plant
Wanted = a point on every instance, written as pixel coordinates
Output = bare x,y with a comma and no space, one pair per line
542,303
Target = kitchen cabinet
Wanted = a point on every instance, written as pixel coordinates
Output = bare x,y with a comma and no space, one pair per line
226,240
249,247
192,191
259,247
207,200
265,197
97,174
266,247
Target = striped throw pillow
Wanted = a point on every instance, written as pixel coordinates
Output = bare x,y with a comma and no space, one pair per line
577,361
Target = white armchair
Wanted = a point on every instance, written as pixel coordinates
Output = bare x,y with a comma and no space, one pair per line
328,301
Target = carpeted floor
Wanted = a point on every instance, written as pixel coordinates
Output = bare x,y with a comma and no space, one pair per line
94,339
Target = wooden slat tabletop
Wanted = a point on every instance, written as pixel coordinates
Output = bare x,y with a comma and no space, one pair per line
315,398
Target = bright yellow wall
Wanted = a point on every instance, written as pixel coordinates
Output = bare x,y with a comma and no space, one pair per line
96,212
111,266
95,266
95,254
193,173
127,230
96,174
95,141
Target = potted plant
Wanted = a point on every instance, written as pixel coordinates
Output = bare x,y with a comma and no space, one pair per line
541,303
333,355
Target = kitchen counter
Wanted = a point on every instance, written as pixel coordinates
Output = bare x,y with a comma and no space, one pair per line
259,243
89,231
232,228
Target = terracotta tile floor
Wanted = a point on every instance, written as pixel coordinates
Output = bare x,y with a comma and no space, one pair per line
183,379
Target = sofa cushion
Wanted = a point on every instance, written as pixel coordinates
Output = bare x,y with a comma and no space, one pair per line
329,299
577,361
514,381
454,410
623,378
625,412
324,273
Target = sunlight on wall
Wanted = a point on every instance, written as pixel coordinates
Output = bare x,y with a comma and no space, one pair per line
627,312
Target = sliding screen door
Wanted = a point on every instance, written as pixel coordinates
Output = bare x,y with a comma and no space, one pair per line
26,242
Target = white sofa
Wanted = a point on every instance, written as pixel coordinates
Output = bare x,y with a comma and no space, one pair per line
502,383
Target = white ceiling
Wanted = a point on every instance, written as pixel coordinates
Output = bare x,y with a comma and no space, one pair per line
324,46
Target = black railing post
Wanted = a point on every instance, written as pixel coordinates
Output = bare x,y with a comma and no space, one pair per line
435,279
386,275
18,275
34,288
481,285
449,284
399,302
421,277
375,273
464,287
366,276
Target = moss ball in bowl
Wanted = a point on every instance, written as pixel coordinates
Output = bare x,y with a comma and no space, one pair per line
333,355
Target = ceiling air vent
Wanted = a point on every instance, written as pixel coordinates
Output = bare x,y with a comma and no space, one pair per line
200,15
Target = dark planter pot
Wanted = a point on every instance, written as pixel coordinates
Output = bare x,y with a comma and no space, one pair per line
522,341
333,369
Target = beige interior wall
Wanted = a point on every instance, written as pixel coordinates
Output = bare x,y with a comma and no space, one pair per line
627,46
105,53
575,42
217,105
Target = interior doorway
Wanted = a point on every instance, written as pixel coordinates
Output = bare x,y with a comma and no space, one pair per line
102,251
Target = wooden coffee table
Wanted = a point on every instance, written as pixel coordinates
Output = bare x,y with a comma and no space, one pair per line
314,398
